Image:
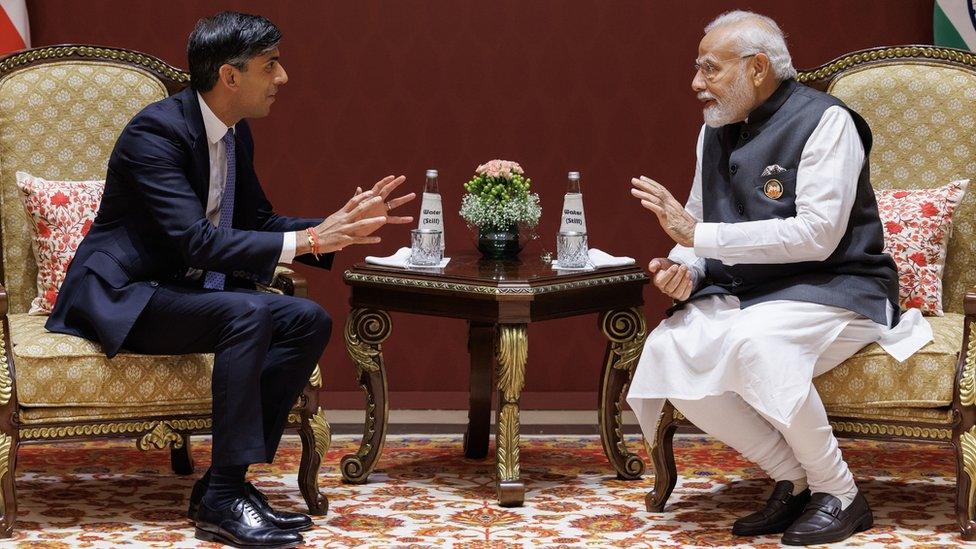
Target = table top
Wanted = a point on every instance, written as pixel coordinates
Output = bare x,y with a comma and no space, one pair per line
526,275
481,290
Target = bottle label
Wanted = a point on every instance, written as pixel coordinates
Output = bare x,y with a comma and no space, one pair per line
432,215
572,214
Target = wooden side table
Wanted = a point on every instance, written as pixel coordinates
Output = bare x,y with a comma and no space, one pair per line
498,299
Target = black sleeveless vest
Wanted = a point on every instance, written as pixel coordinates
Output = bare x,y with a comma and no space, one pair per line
857,276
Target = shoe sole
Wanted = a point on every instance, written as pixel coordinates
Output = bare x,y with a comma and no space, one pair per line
865,522
204,535
778,528
192,516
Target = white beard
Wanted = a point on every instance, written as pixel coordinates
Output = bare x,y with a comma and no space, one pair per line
734,108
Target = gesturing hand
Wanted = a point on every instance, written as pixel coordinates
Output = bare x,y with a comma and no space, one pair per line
673,280
674,219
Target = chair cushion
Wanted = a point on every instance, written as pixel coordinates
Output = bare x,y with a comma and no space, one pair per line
63,370
872,378
917,224
49,414
60,213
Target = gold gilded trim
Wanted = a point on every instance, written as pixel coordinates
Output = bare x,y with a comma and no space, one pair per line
5,443
160,437
967,385
67,431
513,351
916,52
626,329
6,382
508,443
92,52
316,379
322,431
967,441
490,290
366,330
891,430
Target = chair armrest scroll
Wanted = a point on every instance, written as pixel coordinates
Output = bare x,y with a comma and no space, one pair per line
969,302
289,282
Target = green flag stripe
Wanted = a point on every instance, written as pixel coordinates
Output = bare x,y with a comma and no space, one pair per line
945,32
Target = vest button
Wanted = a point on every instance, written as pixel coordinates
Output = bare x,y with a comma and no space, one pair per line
741,209
153,283
745,135
733,168
736,282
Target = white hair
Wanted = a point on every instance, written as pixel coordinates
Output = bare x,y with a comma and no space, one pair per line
761,35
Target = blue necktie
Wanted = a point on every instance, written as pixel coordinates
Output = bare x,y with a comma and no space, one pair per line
214,280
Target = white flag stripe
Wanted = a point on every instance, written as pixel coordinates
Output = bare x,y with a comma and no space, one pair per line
958,13
17,13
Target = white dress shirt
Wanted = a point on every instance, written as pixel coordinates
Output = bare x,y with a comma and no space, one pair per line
826,185
218,176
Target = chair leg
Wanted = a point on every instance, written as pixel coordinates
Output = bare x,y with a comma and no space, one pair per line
8,490
316,438
964,446
662,454
181,458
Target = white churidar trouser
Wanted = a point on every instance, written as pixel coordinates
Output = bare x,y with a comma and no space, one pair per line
744,376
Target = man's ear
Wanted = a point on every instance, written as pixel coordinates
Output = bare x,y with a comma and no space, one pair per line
761,69
228,75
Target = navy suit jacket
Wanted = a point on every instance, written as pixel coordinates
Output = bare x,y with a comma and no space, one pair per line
151,226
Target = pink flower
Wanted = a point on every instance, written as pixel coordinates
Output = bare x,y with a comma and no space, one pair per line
893,228
929,209
499,168
919,259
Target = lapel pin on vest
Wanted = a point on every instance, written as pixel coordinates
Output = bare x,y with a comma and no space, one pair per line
773,189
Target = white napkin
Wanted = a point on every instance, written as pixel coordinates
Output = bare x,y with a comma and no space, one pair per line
402,259
598,259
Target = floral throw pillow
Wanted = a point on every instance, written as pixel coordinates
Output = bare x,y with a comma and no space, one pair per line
917,225
60,212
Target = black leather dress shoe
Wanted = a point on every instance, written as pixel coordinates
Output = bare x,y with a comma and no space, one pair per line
286,520
782,508
295,522
241,525
823,521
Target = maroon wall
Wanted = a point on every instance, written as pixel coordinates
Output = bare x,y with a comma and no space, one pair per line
379,88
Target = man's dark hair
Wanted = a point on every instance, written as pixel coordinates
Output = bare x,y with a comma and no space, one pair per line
227,38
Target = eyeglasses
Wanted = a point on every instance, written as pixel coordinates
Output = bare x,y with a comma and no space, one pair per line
709,69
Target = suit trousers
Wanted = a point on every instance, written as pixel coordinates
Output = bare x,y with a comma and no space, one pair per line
265,348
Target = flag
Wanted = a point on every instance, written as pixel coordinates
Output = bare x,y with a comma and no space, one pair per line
954,24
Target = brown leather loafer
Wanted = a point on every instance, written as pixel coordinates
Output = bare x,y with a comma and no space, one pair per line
782,508
823,521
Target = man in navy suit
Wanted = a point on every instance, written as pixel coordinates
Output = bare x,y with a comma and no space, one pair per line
183,233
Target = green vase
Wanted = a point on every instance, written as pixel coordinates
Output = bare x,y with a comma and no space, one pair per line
499,244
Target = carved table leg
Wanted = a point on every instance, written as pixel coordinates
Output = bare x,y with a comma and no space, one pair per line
481,346
626,330
8,488
513,346
366,330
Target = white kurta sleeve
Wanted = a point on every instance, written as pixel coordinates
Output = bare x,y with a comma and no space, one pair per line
826,185
683,254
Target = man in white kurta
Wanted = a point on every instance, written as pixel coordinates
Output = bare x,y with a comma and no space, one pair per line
743,374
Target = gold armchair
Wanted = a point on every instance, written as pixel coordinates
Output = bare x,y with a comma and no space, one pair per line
61,110
921,104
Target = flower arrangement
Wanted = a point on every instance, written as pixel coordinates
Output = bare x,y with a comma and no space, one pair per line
498,198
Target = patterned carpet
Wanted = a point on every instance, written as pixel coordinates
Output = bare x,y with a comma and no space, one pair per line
109,494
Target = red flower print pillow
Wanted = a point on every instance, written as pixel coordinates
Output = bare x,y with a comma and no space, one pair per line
60,212
917,225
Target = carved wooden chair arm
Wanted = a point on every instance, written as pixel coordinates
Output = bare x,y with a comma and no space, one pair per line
969,302
287,282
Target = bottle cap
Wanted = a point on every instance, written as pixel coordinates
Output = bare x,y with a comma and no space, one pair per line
574,176
431,173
